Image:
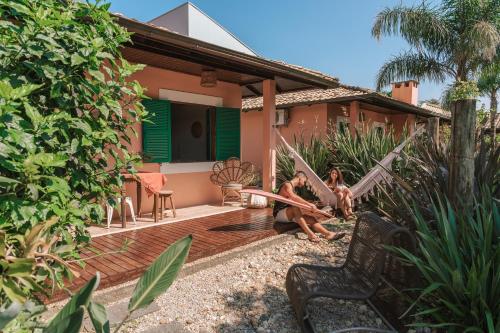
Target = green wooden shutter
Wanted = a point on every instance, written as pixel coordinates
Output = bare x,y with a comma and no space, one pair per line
157,136
227,133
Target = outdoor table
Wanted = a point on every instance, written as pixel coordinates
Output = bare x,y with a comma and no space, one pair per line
152,181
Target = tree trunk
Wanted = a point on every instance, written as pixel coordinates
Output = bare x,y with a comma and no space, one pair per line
461,176
493,114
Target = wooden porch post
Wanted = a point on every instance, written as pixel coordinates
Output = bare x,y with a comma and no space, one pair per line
269,137
353,117
411,121
433,129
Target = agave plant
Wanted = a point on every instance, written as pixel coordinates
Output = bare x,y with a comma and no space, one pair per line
459,256
356,155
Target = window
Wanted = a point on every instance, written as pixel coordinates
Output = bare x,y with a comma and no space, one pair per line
184,133
191,133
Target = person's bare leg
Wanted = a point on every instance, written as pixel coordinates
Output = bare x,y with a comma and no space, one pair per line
294,214
348,202
340,201
318,227
341,198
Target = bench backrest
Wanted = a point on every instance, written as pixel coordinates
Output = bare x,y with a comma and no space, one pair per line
380,268
366,255
398,278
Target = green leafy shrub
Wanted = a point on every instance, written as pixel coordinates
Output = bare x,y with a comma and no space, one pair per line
154,282
66,106
428,180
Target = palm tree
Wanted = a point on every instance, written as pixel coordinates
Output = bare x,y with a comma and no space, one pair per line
489,84
450,40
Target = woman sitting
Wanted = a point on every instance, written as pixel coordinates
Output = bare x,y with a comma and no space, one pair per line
335,183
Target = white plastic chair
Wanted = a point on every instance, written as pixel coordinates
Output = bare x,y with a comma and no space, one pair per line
109,209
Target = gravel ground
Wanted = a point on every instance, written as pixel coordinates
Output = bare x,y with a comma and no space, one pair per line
247,294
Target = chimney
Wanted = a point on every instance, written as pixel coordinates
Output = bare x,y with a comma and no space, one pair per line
406,91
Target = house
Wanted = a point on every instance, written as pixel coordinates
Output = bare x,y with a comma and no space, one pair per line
315,111
212,98
196,91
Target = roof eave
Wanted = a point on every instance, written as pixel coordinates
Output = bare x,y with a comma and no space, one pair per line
387,101
410,108
197,46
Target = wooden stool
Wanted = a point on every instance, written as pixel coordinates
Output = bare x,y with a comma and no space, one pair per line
164,194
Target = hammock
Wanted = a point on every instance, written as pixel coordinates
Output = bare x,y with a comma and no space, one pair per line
378,174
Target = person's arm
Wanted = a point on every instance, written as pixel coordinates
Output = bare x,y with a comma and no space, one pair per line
332,187
290,194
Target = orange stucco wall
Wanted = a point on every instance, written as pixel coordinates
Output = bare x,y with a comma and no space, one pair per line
189,188
306,121
397,121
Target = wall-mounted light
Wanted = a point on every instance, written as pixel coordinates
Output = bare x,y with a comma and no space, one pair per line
208,78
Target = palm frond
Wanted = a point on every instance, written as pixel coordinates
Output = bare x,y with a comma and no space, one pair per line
412,65
446,99
419,26
482,40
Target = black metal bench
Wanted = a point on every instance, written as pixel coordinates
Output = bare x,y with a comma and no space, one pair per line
370,273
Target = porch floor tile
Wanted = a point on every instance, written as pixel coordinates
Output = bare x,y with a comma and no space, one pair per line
147,220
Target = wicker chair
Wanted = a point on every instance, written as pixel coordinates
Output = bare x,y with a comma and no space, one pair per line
359,278
231,175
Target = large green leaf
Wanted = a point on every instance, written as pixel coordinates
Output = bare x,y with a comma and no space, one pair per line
68,324
99,317
161,274
21,267
7,315
81,298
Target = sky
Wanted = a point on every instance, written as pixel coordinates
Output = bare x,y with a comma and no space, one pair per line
332,36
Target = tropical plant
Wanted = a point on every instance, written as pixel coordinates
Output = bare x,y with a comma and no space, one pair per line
489,84
428,180
451,40
357,155
459,262
458,257
154,282
66,110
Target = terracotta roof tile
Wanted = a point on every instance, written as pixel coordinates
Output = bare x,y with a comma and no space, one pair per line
307,70
436,109
303,96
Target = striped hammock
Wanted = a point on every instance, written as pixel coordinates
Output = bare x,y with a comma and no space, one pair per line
377,175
